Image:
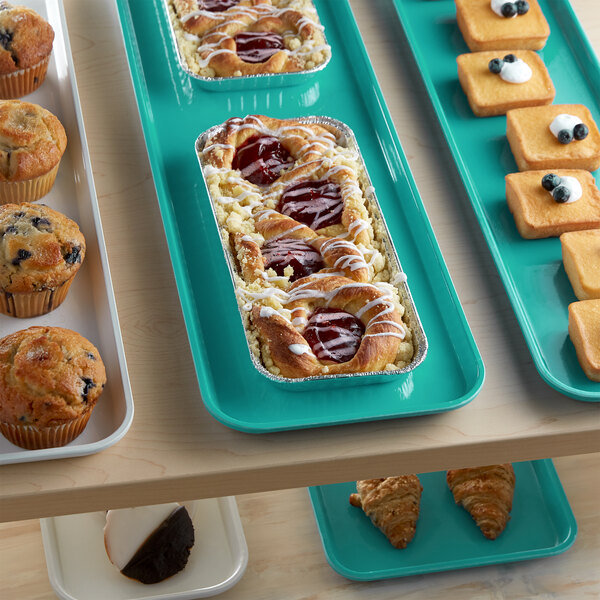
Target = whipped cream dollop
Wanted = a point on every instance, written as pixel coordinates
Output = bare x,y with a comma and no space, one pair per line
516,72
563,121
497,7
574,187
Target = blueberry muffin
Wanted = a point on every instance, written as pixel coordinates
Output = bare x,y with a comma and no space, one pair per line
32,142
25,46
50,381
41,251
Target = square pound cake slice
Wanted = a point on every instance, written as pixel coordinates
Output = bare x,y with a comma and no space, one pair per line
496,82
581,257
561,136
549,204
584,331
502,24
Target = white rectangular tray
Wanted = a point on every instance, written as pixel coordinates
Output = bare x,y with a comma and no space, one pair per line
90,307
79,568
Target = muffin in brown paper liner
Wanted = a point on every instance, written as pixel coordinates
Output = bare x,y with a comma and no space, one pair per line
50,381
23,82
31,437
34,304
25,47
30,190
33,143
41,251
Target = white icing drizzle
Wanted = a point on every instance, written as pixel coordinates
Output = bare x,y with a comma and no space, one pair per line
351,261
360,258
497,7
266,312
287,232
212,39
392,333
215,145
516,72
300,349
563,121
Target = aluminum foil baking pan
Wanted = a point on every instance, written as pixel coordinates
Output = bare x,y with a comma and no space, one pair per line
247,82
347,140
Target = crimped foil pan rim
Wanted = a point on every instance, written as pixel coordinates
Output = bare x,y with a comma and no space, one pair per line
220,80
418,333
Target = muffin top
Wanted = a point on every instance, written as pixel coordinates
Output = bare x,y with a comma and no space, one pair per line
40,248
48,376
32,140
25,38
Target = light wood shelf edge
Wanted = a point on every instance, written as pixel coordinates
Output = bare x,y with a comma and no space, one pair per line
175,448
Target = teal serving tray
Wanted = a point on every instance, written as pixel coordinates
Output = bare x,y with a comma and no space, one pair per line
541,524
174,110
531,270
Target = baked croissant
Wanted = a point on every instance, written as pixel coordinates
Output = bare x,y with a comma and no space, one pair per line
392,504
486,493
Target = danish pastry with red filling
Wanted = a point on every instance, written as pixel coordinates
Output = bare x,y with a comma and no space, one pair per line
229,38
313,276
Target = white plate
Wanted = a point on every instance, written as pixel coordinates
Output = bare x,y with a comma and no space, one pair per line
79,568
90,305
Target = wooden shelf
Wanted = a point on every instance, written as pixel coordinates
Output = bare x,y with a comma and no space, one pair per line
287,559
174,449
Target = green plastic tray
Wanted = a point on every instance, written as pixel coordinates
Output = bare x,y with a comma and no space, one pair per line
174,110
447,538
531,270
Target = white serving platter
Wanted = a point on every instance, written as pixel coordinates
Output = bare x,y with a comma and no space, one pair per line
90,307
79,568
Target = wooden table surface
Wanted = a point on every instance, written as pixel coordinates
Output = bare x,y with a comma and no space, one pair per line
166,456
287,561
174,448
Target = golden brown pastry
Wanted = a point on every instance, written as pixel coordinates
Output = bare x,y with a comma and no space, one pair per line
581,258
532,133
32,143
392,504
538,214
484,29
41,251
311,270
486,493
348,328
491,93
226,38
50,381
199,16
25,46
584,331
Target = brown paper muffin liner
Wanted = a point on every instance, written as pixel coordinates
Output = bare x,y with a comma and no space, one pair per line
32,437
23,82
30,190
34,304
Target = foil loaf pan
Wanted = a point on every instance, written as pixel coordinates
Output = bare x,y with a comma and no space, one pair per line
398,278
247,82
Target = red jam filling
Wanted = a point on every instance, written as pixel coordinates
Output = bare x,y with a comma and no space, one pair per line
257,46
261,159
280,253
216,5
333,335
315,203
